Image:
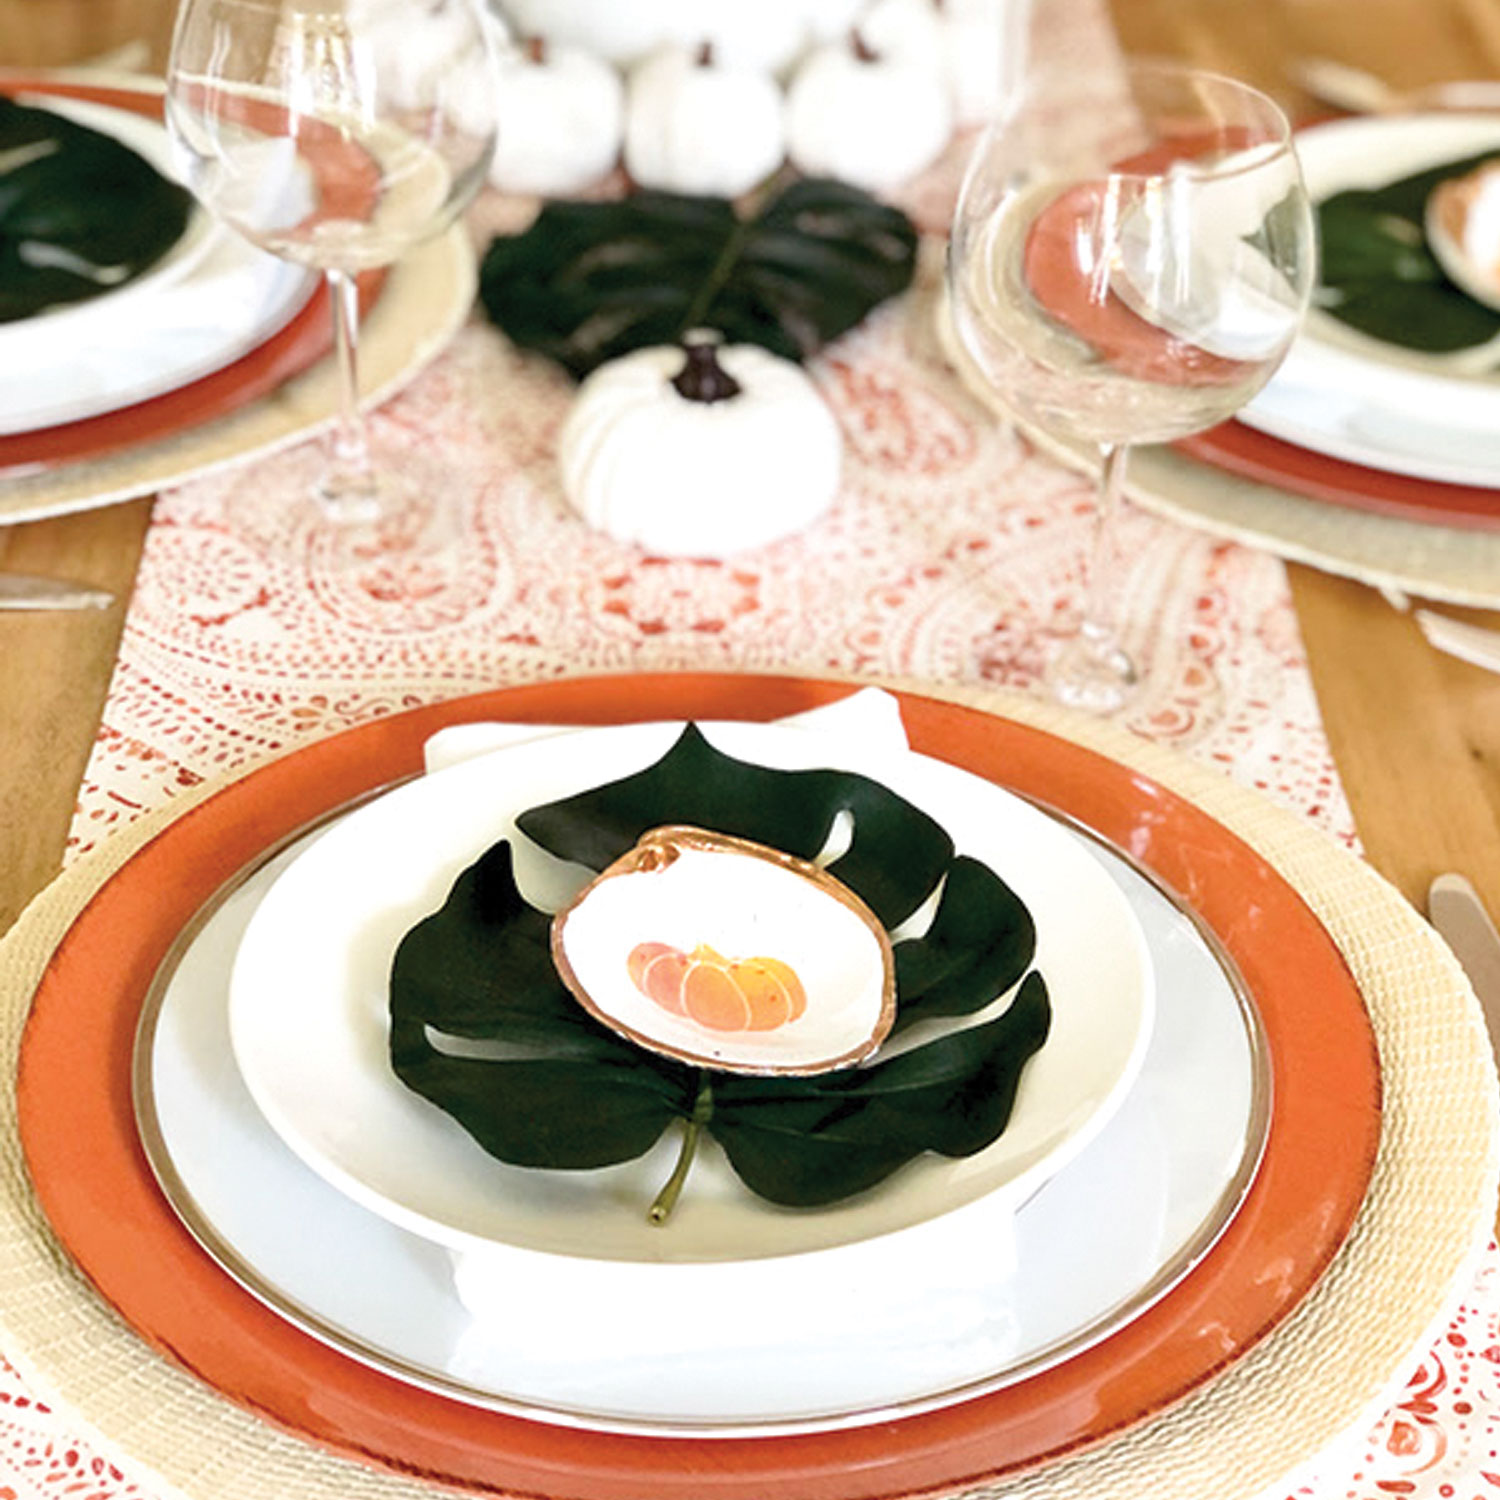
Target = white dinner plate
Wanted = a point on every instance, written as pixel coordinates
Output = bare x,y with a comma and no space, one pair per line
1359,430
1433,415
309,1021
213,298
1106,1236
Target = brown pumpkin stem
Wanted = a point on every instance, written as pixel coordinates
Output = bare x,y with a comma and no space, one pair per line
702,377
861,48
666,1199
536,50
705,57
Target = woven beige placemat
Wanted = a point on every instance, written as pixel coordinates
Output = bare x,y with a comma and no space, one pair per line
1324,1375
425,299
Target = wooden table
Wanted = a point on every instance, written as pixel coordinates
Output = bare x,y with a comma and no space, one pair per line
1416,735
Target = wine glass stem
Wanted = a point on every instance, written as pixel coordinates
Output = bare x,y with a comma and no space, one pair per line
1093,670
1101,613
348,490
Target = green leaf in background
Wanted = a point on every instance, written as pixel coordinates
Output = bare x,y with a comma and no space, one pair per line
548,1086
80,213
1379,276
588,282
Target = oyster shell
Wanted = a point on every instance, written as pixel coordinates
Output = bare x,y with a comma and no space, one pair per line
1462,221
725,953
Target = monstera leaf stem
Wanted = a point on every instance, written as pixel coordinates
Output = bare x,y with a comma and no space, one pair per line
697,1122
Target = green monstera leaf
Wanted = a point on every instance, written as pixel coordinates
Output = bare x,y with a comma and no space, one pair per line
80,214
483,1026
588,282
1379,276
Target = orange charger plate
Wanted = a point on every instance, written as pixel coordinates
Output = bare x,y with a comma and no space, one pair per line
79,1135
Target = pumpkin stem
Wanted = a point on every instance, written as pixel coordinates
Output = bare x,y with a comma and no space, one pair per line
536,50
705,57
861,48
702,377
703,1108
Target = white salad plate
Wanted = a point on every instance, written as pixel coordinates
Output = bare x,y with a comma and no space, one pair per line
209,301
1357,398
309,1021
1111,1231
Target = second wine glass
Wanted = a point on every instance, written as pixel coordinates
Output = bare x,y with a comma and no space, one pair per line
336,134
1132,254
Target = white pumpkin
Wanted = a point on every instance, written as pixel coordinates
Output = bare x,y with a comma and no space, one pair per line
973,46
409,57
620,31
827,20
869,118
767,35
696,125
908,31
561,120
684,476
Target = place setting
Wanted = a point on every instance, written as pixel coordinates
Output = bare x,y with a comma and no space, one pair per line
360,1286
662,1022
188,351
1369,450
1383,412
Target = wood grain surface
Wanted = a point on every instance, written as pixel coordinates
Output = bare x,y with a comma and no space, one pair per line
55,669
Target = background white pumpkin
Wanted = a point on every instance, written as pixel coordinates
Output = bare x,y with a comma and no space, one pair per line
694,124
908,31
975,43
871,121
620,31
830,19
690,478
561,120
767,35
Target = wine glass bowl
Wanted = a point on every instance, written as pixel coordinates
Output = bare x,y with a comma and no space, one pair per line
336,134
1132,255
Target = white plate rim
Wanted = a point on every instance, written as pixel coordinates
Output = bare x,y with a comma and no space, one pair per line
1310,418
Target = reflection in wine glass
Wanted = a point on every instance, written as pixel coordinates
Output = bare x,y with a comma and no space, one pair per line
1132,254
337,134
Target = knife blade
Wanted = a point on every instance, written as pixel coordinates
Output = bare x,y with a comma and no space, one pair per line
1476,644
1455,908
29,591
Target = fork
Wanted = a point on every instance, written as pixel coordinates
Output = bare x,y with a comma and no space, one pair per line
1358,92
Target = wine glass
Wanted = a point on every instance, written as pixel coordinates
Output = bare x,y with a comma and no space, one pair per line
1132,253
337,134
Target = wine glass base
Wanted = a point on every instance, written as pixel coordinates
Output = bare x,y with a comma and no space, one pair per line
393,532
1093,674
